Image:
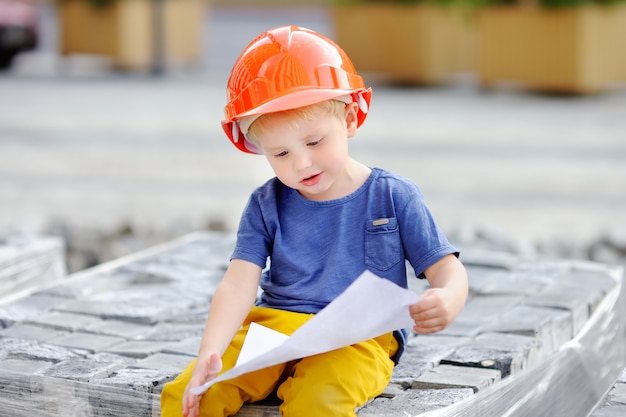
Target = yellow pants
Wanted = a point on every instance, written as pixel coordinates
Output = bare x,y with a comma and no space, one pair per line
330,384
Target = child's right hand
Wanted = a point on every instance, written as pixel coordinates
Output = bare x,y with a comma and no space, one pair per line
205,370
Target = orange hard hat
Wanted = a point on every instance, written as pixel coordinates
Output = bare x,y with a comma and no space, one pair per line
286,68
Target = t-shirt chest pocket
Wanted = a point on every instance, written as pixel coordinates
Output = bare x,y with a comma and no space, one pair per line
383,248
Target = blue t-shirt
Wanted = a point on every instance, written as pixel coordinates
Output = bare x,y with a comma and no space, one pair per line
317,248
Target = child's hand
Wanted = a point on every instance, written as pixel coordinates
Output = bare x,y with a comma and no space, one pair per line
204,370
435,310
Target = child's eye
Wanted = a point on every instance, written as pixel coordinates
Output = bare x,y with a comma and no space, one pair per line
314,142
280,154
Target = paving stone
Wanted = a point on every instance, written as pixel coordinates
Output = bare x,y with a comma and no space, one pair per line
476,257
423,353
24,366
137,311
118,328
480,311
81,286
188,347
88,369
392,389
579,301
617,395
27,307
138,379
413,402
31,332
163,361
482,278
551,327
450,376
29,261
196,315
63,321
173,332
591,277
508,353
92,343
138,348
515,283
610,410
28,349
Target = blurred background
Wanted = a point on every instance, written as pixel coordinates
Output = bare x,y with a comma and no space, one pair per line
511,118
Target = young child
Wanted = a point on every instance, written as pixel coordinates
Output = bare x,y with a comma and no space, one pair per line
295,97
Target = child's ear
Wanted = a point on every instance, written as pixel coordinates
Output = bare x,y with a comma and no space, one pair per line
351,118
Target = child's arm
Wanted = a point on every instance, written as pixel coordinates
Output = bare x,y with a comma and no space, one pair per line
231,303
439,305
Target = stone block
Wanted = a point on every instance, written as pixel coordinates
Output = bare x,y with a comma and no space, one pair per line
507,353
472,257
92,343
84,284
479,311
28,349
515,283
24,366
173,364
422,354
188,347
551,327
31,332
450,376
609,410
88,369
173,331
590,275
117,328
196,315
29,261
138,379
143,312
578,300
482,279
138,348
63,321
27,307
413,402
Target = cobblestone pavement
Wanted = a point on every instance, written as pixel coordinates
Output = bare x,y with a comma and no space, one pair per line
106,340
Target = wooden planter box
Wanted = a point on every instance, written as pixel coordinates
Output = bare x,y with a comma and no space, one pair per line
575,50
421,43
126,31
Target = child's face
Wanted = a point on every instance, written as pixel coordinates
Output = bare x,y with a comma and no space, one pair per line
312,156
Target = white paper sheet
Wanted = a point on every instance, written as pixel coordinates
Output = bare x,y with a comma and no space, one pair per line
369,307
259,339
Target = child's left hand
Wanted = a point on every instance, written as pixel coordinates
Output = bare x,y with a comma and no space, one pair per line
435,310
440,305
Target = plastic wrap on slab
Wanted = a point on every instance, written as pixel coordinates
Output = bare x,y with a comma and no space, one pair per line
572,383
31,395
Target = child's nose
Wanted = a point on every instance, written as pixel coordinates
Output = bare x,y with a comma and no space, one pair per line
302,161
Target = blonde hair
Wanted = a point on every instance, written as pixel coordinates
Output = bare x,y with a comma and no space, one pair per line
294,117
